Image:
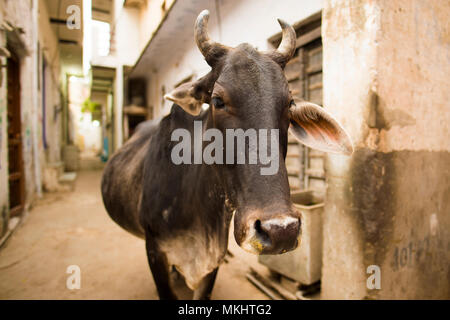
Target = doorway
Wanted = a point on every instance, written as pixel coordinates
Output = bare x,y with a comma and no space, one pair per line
15,153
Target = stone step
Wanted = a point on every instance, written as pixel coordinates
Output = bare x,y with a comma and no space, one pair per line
68,179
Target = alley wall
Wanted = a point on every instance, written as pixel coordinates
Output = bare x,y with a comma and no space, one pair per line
31,20
385,78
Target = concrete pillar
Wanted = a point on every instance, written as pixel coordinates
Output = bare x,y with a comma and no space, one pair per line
386,80
35,99
118,107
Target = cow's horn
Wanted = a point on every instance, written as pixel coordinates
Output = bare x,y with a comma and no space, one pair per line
210,50
286,49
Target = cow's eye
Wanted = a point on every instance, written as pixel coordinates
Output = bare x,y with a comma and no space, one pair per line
217,103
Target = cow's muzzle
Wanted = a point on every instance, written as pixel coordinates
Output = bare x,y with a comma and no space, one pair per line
271,236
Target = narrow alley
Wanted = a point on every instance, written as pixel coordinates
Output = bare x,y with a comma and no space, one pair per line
175,101
73,228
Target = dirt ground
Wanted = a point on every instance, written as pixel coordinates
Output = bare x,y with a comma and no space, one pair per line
73,228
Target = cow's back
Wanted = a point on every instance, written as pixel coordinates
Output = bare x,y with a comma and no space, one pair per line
122,179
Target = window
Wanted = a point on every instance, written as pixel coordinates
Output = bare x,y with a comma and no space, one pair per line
304,74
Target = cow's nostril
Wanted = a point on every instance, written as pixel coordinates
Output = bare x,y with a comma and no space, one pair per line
271,236
282,233
261,234
258,225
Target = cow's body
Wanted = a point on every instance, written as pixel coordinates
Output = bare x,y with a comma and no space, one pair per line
180,208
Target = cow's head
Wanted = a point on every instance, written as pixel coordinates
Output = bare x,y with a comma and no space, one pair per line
248,89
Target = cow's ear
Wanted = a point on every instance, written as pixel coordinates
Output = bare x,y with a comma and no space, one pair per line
317,129
183,95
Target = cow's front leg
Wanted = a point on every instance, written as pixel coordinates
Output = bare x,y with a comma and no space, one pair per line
203,292
159,268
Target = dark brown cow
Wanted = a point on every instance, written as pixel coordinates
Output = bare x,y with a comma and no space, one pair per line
183,210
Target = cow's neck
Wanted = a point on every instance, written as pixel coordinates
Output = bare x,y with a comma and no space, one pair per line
184,206
187,196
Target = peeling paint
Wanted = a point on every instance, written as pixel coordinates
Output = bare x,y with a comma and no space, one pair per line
388,204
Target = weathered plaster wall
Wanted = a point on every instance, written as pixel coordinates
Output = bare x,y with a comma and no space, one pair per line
32,17
50,52
387,205
414,128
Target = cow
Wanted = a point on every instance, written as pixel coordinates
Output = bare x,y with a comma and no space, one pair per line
183,211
